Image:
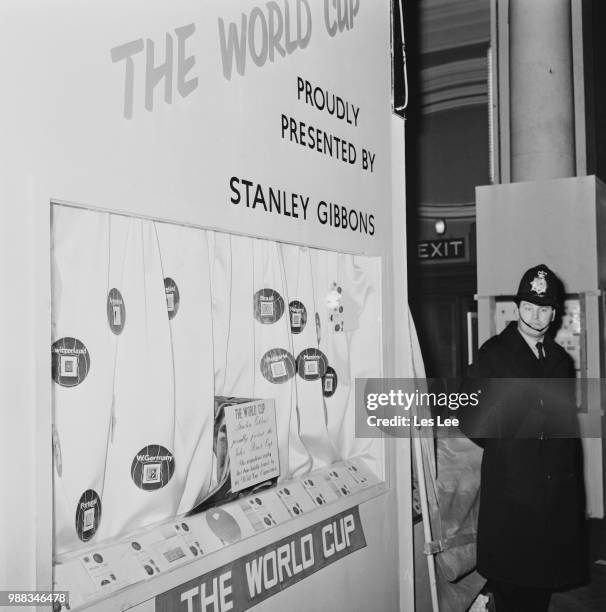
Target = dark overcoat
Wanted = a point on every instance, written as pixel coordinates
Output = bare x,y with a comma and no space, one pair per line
531,526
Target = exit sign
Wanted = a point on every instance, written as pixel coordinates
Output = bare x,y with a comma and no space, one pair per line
451,248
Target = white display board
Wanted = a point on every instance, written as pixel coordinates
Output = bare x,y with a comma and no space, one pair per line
571,246
270,120
178,110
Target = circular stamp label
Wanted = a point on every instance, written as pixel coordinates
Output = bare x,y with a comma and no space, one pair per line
311,364
152,467
278,365
329,382
70,362
88,515
298,316
268,306
116,311
172,297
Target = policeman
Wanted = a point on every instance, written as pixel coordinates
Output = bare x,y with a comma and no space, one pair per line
531,525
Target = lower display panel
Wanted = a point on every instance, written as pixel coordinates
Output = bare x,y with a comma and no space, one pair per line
92,574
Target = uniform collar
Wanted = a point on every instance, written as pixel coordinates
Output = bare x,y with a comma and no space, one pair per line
532,342
520,348
514,340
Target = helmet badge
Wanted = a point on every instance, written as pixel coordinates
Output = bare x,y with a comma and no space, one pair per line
539,284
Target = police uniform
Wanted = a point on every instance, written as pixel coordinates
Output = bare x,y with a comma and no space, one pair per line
531,524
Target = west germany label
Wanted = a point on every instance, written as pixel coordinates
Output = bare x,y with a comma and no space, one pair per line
298,316
88,515
172,297
278,365
268,306
70,362
311,364
116,311
329,382
152,467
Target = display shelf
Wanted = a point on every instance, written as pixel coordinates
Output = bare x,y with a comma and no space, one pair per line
127,571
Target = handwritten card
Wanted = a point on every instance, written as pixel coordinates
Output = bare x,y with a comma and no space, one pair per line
253,443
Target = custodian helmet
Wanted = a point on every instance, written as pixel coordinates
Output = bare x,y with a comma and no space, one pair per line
541,286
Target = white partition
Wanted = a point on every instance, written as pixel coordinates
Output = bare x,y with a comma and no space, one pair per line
207,115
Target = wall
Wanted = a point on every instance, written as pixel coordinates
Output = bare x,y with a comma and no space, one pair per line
83,122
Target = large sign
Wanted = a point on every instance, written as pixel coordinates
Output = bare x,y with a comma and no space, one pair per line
250,579
270,118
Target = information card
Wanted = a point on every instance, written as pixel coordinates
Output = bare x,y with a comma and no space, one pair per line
253,443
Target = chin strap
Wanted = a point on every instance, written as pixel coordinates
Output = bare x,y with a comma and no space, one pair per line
532,326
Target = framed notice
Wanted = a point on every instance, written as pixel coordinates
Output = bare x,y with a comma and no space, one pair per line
252,443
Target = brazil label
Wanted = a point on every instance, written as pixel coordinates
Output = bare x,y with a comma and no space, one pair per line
70,362
152,467
268,306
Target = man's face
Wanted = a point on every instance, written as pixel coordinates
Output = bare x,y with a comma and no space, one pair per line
534,319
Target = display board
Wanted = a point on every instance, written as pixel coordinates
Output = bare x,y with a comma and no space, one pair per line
150,351
266,125
269,120
570,245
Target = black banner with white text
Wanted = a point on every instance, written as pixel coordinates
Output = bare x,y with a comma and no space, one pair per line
250,579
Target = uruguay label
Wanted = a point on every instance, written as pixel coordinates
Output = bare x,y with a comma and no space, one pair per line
249,580
268,306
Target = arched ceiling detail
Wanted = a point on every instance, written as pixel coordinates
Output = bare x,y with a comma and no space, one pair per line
448,24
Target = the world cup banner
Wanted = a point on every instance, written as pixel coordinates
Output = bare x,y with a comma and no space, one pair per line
252,578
